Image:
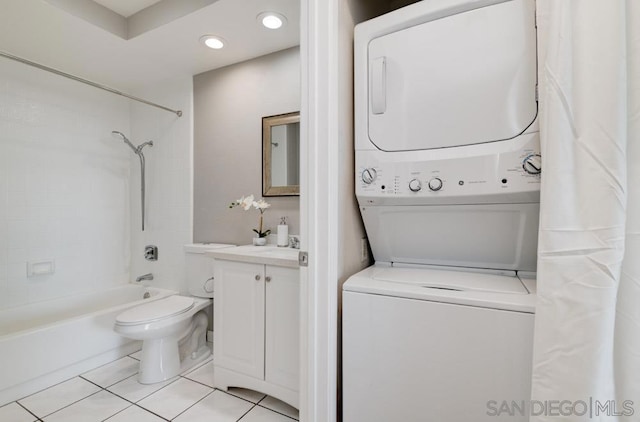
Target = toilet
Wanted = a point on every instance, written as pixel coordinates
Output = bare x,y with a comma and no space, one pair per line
173,330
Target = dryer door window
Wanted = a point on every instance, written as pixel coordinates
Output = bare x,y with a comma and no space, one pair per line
463,79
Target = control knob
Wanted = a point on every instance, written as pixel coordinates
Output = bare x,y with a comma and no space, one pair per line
415,185
435,184
532,164
369,175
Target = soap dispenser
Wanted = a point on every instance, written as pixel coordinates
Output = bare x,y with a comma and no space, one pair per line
283,233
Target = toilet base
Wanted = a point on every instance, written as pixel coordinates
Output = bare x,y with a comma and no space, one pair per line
160,360
166,357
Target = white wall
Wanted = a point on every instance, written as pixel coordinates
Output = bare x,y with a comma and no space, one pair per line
169,181
229,105
64,185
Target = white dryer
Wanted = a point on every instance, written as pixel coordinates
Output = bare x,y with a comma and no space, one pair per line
448,181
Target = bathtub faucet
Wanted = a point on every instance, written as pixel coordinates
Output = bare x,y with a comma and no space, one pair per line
144,277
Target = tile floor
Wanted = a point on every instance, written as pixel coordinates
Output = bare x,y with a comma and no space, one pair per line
111,393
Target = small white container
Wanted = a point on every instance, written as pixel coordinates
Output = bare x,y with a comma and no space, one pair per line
283,233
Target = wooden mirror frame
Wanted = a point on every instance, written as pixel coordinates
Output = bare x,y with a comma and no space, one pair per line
267,123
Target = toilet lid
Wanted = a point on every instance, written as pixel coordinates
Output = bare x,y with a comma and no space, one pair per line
156,310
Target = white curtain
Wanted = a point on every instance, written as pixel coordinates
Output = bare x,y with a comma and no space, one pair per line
587,335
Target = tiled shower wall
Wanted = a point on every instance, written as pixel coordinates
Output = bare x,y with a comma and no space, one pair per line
169,182
64,186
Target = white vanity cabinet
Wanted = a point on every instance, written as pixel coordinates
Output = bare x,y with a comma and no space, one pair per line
256,328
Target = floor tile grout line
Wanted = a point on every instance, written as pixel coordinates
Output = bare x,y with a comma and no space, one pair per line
241,398
97,385
245,414
33,414
207,395
196,381
146,410
118,412
71,404
47,388
108,363
148,395
84,373
275,411
134,404
200,365
139,407
69,379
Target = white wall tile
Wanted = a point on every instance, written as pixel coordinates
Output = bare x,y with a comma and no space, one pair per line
169,183
64,185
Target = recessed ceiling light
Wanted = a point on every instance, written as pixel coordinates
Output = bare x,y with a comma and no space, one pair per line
272,20
212,41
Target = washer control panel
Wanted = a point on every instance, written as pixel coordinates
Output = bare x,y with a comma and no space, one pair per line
484,175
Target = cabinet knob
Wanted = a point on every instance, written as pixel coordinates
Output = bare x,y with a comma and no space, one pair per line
267,278
258,277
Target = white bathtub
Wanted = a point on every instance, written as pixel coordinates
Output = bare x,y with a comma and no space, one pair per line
44,343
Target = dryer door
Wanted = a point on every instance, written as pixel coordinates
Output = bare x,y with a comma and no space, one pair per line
462,79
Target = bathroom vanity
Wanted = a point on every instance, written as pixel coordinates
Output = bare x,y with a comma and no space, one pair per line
257,320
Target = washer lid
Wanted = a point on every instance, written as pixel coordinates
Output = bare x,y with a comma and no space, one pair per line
452,280
483,290
156,310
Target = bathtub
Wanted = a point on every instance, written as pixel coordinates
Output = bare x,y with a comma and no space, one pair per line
44,343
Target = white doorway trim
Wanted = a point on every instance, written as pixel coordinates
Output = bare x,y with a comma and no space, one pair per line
319,209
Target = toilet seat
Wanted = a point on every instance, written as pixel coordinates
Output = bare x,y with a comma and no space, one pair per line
156,310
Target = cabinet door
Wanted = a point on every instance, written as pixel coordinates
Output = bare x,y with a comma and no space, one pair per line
282,327
239,297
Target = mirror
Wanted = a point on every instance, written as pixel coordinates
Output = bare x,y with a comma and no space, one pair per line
281,155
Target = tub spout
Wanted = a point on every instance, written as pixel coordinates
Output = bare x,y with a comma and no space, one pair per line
144,277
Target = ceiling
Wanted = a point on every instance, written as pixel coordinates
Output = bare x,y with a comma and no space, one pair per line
126,8
40,32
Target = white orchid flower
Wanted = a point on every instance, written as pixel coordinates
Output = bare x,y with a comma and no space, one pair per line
261,204
246,202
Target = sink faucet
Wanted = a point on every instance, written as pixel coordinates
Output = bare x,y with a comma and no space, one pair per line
294,242
144,277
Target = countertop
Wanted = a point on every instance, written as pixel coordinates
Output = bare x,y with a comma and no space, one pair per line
268,255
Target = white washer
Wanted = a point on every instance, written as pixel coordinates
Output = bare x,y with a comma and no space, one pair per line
448,181
433,345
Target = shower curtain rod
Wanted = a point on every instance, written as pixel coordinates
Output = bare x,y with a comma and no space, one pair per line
87,82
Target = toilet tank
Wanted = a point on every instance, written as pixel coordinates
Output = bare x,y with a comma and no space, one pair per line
199,268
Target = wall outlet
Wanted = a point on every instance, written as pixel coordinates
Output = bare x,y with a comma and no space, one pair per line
364,249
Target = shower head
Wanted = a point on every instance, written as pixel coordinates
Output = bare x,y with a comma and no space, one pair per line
126,140
138,151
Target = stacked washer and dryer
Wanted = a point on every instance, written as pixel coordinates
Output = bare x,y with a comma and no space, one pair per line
440,328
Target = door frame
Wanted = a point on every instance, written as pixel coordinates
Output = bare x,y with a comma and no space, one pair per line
319,207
